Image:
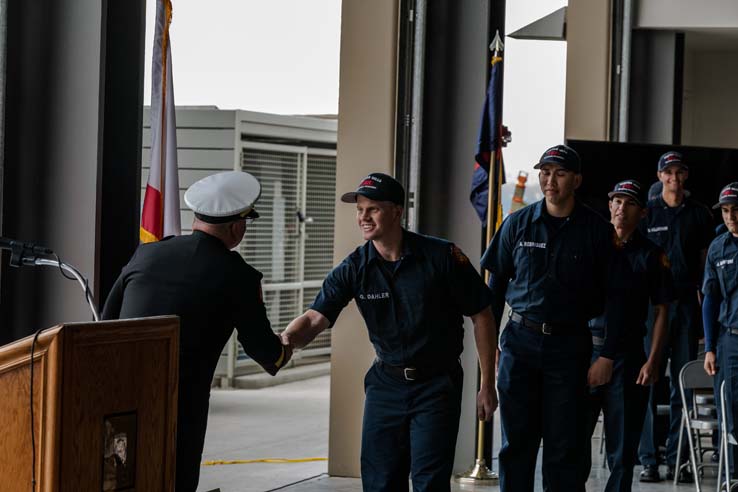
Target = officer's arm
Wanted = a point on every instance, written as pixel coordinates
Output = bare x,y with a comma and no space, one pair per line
252,324
260,342
485,336
303,329
114,302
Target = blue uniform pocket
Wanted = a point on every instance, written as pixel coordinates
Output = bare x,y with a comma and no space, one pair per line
532,260
728,281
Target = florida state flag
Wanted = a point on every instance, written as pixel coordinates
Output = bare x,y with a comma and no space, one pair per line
160,214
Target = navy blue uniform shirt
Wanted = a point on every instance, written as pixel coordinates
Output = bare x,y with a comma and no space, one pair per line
556,275
683,232
413,308
721,278
646,278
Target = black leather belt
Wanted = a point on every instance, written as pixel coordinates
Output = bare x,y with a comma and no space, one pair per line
548,328
731,331
411,373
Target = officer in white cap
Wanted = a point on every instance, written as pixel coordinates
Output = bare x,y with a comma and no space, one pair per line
212,290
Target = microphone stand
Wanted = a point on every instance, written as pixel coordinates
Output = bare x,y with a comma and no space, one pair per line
71,270
28,254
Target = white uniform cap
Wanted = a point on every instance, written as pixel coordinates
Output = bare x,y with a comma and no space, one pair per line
224,197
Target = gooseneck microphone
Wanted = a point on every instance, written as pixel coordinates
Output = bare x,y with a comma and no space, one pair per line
31,254
13,245
23,252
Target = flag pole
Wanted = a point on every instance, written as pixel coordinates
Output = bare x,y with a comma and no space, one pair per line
480,473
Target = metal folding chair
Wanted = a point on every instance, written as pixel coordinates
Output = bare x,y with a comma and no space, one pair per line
725,439
603,438
693,377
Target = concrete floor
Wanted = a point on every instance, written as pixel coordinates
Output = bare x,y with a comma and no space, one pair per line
285,421
291,421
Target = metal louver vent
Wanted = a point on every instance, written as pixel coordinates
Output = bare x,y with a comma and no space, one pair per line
320,207
271,244
292,241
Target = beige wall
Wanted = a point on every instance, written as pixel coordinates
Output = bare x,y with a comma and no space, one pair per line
366,119
587,69
710,99
684,14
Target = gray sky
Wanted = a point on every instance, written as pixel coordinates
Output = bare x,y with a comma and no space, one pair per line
282,56
276,56
535,86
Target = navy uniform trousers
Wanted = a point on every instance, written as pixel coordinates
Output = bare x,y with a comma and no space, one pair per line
728,367
410,429
624,405
542,386
681,348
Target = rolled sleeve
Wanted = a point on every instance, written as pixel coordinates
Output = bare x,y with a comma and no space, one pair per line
468,291
336,292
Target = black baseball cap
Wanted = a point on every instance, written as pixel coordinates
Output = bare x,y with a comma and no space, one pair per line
564,156
630,188
380,187
671,158
728,195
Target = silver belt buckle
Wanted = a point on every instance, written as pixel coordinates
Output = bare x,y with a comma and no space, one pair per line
405,371
545,329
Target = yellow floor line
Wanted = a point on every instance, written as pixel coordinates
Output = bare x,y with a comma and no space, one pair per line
262,460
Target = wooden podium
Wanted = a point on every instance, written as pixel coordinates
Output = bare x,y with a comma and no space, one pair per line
104,407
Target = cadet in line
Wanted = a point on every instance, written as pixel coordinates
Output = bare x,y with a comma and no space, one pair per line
550,263
645,281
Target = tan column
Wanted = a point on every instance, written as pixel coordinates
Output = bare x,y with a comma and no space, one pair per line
366,127
588,29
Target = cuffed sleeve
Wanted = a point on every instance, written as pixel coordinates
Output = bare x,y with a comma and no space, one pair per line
254,329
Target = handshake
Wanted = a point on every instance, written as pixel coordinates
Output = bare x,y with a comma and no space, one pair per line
287,346
301,331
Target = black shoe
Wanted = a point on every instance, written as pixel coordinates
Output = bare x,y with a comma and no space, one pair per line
650,473
685,476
